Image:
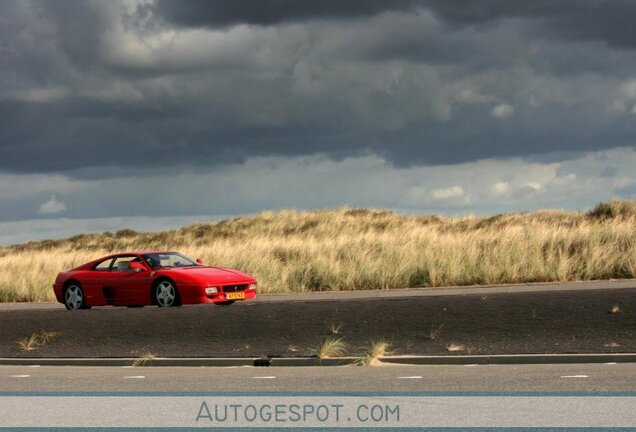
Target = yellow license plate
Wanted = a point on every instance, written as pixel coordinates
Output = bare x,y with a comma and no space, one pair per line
236,296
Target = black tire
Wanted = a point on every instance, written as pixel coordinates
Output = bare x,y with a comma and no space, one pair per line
165,293
74,298
225,303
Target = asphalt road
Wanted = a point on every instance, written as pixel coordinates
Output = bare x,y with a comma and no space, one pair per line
495,378
420,322
399,293
522,395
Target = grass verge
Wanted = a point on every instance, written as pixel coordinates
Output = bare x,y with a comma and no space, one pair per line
354,249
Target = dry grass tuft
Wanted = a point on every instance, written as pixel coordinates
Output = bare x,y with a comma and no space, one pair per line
36,340
434,332
143,359
378,349
331,347
615,309
356,249
29,344
455,347
336,329
46,337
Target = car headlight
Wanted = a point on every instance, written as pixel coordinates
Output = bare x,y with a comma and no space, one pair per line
252,286
211,290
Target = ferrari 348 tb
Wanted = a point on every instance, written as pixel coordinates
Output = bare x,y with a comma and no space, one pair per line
150,278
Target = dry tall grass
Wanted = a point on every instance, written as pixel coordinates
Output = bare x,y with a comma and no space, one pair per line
363,249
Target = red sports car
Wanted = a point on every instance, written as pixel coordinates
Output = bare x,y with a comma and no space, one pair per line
150,278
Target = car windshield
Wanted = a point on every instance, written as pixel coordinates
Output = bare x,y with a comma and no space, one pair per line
168,260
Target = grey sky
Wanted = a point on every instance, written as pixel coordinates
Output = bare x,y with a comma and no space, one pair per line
166,110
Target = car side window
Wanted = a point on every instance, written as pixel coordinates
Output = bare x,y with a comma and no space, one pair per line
104,265
153,260
123,263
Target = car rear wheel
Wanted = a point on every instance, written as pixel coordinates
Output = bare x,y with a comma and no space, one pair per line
166,294
225,303
74,298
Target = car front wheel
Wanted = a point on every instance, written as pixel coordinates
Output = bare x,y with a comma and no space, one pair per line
74,298
166,294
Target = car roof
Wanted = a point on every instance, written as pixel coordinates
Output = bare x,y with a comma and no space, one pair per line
144,252
152,252
133,253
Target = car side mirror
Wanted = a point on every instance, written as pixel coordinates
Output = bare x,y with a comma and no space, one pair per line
137,267
199,260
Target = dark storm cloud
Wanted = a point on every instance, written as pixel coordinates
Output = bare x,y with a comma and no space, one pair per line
41,41
607,21
470,136
220,13
79,26
89,83
58,136
69,135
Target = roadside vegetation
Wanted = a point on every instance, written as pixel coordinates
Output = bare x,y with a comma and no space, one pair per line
377,350
357,249
330,347
143,360
36,340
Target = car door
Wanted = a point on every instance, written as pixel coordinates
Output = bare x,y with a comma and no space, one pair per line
130,286
96,283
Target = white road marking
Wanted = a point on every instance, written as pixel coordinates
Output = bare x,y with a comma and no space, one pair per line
471,365
411,377
611,363
135,377
264,377
19,376
33,366
575,376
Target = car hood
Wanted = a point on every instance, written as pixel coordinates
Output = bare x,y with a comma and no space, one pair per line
212,275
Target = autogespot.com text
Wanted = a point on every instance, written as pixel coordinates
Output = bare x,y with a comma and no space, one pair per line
266,413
